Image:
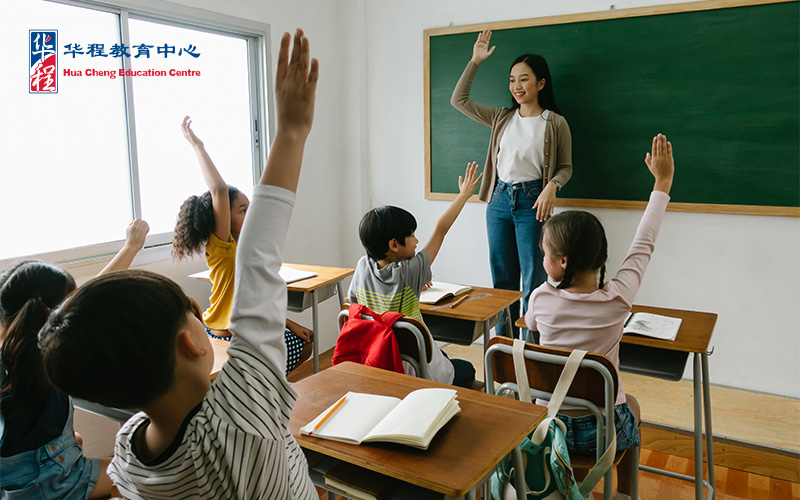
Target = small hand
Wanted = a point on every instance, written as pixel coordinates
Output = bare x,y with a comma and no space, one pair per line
295,85
186,128
301,331
136,233
660,163
427,285
546,202
470,181
481,50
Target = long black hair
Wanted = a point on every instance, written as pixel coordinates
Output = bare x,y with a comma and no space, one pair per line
540,69
29,289
196,223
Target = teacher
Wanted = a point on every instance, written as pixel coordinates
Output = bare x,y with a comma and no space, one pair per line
529,160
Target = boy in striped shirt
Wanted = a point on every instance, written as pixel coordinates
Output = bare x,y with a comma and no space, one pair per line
138,331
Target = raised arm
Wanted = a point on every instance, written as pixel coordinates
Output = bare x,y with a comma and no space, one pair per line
134,241
258,317
460,98
631,272
466,188
216,185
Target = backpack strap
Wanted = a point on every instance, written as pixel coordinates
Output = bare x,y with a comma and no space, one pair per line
559,393
388,318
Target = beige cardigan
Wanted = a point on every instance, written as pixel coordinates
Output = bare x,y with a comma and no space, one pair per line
557,138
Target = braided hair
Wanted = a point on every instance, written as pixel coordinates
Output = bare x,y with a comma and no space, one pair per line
195,223
29,289
579,237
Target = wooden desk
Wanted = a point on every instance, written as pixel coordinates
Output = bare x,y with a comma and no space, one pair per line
462,453
310,292
464,323
667,359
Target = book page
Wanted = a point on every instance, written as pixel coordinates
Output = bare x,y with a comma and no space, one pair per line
290,274
417,418
653,325
353,420
440,290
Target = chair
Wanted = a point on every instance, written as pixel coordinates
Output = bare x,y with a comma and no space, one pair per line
593,388
413,340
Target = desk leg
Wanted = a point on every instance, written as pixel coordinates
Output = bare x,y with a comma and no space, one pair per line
709,433
698,430
341,295
486,334
509,323
315,320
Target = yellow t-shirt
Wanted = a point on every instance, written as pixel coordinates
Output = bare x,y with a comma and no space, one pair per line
221,260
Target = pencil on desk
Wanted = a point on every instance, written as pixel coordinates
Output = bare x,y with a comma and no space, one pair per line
462,299
327,415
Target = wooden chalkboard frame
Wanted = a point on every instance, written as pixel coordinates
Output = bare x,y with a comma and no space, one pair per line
592,16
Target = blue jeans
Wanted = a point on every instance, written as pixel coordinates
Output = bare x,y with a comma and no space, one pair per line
57,470
514,241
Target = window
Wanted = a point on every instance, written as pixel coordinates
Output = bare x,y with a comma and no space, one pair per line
105,149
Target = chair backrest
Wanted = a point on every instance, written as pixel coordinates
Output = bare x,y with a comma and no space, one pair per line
413,340
544,366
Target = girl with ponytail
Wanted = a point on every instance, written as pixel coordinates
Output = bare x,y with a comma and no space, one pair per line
584,312
210,224
40,453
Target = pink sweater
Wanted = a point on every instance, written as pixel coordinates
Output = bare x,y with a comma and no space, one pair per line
594,321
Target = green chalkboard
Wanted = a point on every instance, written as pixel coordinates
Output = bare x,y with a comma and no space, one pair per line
721,83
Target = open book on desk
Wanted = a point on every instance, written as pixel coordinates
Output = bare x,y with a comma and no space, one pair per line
652,325
439,291
361,418
289,274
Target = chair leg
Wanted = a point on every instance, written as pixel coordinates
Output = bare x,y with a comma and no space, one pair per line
635,472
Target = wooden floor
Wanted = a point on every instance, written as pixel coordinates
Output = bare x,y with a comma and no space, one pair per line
731,484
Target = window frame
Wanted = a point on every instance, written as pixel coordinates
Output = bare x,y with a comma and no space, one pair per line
262,123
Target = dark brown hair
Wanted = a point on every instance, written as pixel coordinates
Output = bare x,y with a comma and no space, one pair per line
113,341
196,223
28,291
579,237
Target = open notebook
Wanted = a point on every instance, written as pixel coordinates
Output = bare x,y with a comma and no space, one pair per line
412,421
439,291
652,325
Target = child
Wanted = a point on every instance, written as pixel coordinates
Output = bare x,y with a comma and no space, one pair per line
195,439
581,314
40,454
213,221
392,275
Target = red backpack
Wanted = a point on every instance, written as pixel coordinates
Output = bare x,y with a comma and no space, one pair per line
369,342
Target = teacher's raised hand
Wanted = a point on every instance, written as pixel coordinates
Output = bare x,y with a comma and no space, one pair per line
481,50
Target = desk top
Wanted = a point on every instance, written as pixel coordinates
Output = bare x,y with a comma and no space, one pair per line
325,276
694,335
472,439
474,310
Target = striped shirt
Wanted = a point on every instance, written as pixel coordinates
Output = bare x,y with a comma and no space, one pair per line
396,287
236,443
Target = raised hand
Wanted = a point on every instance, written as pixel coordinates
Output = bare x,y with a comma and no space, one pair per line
136,233
660,163
186,128
481,50
471,179
295,85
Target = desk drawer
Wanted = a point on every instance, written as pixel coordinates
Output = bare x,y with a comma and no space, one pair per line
300,301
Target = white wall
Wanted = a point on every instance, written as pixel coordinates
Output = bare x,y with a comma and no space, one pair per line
745,268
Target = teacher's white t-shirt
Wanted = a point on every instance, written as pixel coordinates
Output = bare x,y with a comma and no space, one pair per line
521,155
